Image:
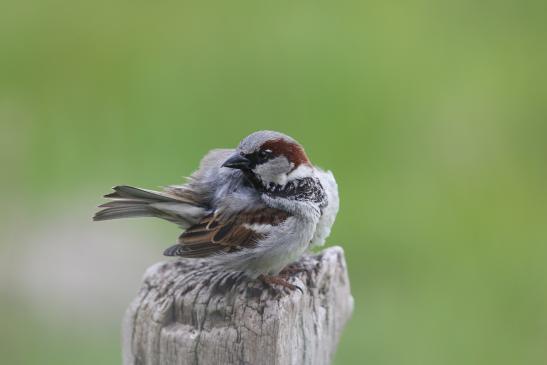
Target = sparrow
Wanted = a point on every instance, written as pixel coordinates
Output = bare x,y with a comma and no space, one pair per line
253,210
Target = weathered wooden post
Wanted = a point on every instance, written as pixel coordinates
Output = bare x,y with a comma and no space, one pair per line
187,314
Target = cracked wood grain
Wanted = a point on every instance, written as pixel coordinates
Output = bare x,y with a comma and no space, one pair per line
186,313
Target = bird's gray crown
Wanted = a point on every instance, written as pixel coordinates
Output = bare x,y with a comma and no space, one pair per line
253,141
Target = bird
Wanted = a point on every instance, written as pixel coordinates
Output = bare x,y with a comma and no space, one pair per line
252,210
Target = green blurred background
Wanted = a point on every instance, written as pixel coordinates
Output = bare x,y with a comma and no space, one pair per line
432,115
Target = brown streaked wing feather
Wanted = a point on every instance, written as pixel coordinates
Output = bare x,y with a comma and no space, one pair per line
217,233
186,193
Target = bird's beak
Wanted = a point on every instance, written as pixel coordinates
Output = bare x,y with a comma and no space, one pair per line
237,161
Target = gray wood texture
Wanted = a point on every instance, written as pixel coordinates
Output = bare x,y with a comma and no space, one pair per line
186,313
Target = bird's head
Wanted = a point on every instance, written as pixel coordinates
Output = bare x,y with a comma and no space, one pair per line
268,157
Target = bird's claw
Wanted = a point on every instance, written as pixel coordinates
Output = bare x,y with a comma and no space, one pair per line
278,280
291,270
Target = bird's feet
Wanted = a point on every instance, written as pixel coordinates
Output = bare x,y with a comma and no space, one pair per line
291,269
278,280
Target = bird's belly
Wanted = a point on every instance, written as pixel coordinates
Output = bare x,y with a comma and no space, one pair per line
283,246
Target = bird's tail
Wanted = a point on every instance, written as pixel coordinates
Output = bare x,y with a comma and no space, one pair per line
128,202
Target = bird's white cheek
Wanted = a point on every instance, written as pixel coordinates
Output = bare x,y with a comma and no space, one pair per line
300,172
273,171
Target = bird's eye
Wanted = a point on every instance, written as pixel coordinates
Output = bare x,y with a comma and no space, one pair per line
264,154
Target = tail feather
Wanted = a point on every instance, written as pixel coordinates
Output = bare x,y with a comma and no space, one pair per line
122,203
127,211
128,201
130,192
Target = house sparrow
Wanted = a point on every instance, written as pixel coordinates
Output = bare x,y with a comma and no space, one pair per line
254,209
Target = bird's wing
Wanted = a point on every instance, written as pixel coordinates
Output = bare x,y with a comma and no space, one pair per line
225,232
206,182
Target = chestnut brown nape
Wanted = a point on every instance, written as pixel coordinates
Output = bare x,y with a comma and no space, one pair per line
292,151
